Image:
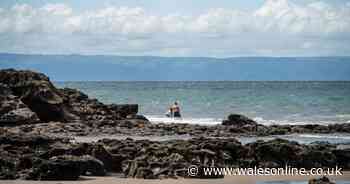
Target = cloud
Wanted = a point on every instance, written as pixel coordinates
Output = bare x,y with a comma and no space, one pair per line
315,19
57,9
278,26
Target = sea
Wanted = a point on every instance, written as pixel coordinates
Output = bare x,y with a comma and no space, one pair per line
209,102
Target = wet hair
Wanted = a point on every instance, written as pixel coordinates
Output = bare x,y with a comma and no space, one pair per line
176,103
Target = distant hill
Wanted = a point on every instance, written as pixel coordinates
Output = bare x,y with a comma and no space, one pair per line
143,68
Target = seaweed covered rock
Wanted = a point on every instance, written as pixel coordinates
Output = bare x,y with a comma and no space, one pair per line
12,110
98,151
319,155
29,97
343,157
88,165
91,109
56,169
19,116
37,92
323,180
36,157
238,121
274,153
7,168
153,159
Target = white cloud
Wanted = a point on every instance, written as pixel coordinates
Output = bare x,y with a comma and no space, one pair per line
306,45
57,9
317,19
278,25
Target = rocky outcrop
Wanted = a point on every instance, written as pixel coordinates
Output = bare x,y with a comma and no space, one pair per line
240,124
34,157
343,157
12,110
275,153
323,180
29,97
150,159
37,92
238,120
54,170
19,116
91,109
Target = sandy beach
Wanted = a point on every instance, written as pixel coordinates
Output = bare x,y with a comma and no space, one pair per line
226,180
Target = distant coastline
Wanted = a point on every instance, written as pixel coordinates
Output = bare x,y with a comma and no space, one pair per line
154,68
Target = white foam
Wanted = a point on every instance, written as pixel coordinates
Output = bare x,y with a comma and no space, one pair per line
198,121
263,121
213,121
347,116
267,122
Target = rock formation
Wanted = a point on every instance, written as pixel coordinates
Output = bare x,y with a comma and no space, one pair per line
37,157
29,97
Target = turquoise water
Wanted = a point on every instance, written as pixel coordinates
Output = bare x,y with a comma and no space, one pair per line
210,102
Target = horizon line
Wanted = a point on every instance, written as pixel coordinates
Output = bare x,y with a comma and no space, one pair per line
158,56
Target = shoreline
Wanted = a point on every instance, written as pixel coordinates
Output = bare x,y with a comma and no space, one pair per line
38,120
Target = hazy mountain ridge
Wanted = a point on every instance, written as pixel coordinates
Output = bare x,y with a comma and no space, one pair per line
99,67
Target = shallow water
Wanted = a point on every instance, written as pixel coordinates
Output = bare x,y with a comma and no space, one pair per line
210,102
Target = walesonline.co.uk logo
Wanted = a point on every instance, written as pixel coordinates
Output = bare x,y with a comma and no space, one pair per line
194,170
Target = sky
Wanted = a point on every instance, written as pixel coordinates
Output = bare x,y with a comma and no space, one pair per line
221,28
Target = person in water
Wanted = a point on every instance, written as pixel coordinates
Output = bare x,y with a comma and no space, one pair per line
175,110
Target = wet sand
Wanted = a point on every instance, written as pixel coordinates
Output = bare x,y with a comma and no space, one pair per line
226,180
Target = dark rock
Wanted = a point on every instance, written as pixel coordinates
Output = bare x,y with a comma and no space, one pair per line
48,103
88,165
317,156
7,169
28,140
238,120
56,169
278,130
99,152
25,162
125,109
144,173
323,180
138,117
4,90
74,95
117,162
345,127
343,158
132,123
279,151
59,148
19,116
12,110
37,92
